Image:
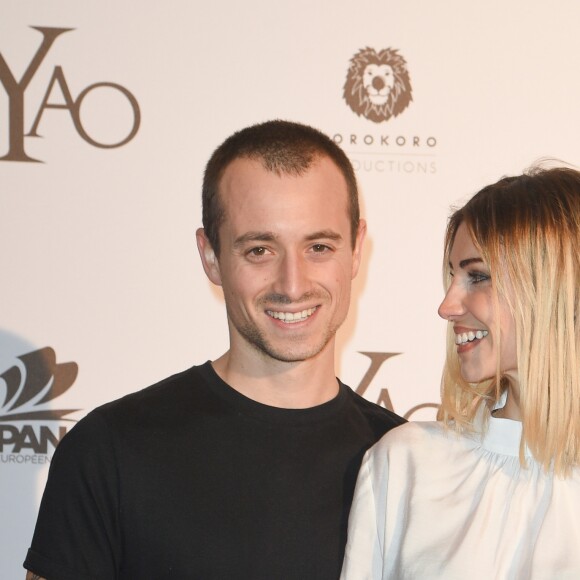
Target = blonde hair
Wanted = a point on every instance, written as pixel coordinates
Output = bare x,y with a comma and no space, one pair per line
527,229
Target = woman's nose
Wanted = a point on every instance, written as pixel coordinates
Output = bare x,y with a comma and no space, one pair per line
452,305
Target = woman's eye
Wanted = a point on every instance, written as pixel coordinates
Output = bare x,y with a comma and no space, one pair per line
477,277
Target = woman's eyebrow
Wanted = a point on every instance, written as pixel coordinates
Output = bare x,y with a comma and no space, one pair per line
467,262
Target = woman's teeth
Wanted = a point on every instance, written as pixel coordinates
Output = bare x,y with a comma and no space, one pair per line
470,336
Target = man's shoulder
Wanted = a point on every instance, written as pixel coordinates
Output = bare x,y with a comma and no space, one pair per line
182,385
380,418
172,385
183,393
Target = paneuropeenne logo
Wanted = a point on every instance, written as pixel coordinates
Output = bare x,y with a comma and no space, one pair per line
16,89
377,84
29,385
35,380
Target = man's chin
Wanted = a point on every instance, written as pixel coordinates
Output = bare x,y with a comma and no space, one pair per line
291,354
289,350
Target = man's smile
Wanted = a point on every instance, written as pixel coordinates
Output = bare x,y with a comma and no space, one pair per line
292,317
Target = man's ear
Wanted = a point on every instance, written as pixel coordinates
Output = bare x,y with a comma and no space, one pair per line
358,244
208,257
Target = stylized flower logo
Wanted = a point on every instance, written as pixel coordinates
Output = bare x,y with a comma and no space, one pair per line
33,381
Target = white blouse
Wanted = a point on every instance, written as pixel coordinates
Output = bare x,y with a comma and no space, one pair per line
433,504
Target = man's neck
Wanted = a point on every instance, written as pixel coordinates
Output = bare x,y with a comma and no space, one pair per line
289,385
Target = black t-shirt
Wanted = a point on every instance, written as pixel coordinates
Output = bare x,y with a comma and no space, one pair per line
190,479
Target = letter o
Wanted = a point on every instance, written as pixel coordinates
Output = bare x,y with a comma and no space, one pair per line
77,115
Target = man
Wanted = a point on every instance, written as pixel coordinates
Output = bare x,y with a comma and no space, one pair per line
244,467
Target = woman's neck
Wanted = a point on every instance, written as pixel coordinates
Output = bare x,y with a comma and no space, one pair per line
511,409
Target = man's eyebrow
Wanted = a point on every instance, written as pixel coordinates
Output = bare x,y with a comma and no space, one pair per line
324,235
254,237
467,262
271,237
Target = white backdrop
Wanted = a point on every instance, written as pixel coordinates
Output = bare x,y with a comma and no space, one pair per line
97,245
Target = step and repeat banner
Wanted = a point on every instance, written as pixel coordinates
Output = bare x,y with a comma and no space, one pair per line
108,113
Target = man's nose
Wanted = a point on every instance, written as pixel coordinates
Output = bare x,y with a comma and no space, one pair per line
292,276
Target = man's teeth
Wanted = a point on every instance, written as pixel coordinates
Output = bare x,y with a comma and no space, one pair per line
470,336
291,316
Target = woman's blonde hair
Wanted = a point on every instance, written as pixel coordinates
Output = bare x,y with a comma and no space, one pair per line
527,229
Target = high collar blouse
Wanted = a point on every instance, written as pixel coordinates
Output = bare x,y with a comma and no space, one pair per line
431,503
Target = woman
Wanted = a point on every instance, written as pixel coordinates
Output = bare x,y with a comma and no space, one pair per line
492,490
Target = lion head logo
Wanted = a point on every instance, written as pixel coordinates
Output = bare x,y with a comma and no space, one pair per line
377,84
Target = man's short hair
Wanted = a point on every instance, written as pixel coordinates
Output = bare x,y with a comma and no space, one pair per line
282,147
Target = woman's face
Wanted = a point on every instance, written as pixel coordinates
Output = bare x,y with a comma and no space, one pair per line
468,306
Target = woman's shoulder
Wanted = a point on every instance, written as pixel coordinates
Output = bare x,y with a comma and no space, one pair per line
411,435
415,430
415,447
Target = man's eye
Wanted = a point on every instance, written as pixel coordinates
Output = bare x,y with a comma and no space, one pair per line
260,251
319,248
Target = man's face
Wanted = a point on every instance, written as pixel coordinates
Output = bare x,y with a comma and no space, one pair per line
286,260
